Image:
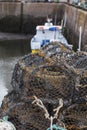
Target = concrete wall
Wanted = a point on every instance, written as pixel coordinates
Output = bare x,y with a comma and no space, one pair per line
43,10
75,18
23,17
10,16
9,8
34,9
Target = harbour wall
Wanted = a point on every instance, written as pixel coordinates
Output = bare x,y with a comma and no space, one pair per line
76,18
23,17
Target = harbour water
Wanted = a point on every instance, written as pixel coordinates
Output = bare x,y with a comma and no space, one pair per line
10,52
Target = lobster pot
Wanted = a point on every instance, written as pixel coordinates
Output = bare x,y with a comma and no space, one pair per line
75,117
79,63
25,116
77,60
82,84
24,67
56,48
56,73
50,82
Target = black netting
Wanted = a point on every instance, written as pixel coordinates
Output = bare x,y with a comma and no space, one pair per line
78,59
26,66
81,62
56,73
75,117
52,82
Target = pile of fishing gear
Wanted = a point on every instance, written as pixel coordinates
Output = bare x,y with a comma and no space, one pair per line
49,90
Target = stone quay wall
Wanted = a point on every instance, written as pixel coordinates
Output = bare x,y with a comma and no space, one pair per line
23,17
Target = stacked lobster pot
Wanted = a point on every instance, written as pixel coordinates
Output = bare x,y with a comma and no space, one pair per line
49,90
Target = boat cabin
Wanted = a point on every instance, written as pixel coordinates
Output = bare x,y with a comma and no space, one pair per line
46,34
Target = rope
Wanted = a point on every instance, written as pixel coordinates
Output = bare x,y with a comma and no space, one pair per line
6,125
58,108
51,118
38,102
55,127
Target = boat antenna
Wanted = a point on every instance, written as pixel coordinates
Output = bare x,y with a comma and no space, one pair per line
80,38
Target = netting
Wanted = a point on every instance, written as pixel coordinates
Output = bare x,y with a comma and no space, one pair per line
56,73
75,117
77,60
26,66
51,82
55,49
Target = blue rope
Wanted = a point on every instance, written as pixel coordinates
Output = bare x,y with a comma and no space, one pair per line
55,127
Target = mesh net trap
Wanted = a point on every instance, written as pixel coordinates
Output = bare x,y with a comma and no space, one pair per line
56,74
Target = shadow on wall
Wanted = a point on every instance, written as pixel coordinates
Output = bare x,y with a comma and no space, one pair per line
10,24
23,18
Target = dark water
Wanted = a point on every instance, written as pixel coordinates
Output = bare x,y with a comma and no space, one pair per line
10,53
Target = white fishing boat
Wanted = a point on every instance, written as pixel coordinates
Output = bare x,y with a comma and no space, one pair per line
47,33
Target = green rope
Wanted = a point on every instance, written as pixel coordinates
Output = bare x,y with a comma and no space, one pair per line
55,127
5,119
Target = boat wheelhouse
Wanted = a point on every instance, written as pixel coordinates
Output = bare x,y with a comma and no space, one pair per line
45,34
